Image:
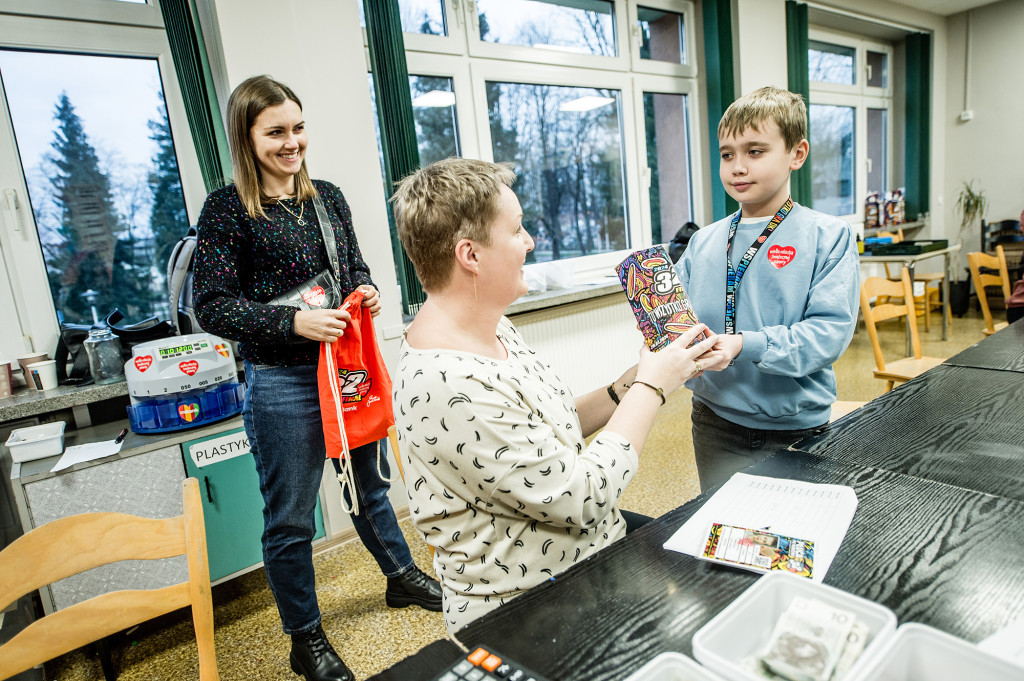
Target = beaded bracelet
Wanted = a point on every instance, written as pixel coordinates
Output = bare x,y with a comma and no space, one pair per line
661,393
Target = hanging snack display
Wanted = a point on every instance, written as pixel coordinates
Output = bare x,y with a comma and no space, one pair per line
182,382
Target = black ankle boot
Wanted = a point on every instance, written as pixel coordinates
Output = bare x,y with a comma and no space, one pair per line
314,658
413,587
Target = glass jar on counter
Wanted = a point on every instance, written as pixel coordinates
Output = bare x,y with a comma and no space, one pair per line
103,349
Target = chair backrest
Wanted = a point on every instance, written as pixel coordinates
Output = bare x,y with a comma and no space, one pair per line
78,543
871,289
975,261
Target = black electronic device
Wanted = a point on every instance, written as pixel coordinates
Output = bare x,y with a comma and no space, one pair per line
486,664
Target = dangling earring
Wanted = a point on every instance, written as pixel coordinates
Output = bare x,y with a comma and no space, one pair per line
475,298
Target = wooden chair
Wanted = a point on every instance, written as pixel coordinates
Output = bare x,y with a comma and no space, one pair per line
975,261
877,288
81,542
930,298
393,439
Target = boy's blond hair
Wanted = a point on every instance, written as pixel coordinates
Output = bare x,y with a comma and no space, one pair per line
785,108
439,205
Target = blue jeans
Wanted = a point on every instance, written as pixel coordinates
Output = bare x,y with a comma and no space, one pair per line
722,447
282,419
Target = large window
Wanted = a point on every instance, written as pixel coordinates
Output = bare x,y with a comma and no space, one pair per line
590,100
97,165
850,117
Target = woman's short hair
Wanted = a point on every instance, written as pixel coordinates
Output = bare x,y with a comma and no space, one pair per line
439,205
786,108
248,100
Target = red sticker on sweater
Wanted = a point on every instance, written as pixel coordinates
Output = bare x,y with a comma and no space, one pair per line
314,296
188,412
190,367
780,256
144,362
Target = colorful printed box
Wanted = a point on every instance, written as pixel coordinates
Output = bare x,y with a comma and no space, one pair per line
662,310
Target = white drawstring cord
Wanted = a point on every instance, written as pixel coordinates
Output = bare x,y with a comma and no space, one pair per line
346,477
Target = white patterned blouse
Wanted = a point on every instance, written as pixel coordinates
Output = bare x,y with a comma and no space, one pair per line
500,479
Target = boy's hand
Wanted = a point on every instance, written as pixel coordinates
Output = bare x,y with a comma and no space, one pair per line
726,349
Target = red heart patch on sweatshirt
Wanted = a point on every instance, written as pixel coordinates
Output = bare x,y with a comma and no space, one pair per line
780,256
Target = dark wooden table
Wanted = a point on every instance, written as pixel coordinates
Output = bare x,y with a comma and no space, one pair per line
954,424
938,536
933,553
1002,351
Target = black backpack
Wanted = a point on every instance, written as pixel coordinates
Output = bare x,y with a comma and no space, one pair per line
681,240
179,283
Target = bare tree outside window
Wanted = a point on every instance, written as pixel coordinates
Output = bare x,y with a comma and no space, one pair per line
566,144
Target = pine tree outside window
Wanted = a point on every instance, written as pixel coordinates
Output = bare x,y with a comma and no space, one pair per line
97,168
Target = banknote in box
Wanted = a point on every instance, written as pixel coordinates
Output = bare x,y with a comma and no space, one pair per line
663,312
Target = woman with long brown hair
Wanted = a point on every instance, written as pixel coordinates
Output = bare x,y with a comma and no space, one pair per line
258,239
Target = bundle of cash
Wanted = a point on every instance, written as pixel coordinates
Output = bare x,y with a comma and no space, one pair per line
812,641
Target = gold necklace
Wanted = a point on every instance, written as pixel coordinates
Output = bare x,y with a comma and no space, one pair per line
302,207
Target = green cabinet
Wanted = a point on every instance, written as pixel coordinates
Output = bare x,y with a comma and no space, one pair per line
232,503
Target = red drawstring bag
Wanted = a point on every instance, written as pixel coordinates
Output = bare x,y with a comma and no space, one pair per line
355,392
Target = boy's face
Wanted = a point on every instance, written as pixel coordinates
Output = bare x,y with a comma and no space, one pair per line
755,167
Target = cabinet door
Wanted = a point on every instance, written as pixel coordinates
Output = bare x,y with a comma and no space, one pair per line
147,484
232,503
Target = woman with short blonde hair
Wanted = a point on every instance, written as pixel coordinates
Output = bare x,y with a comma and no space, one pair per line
500,478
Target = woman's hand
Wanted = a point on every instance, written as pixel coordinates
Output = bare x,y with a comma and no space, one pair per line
321,325
371,299
676,363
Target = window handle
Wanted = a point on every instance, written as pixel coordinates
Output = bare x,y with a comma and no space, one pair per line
11,201
457,12
870,164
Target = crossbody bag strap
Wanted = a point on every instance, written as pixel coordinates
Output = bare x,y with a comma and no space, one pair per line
328,234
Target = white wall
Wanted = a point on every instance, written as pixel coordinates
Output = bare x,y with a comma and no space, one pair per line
990,147
761,37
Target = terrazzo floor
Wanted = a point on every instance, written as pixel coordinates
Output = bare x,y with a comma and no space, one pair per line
369,635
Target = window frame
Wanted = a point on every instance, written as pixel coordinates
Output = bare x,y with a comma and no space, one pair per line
475,62
860,97
539,74
687,69
668,86
26,267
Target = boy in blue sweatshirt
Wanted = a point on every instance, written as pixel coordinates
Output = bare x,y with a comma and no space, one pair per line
779,283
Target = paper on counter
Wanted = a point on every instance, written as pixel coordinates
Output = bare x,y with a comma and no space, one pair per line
88,452
816,512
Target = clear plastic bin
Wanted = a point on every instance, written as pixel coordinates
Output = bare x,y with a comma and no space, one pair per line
36,442
745,625
673,667
917,652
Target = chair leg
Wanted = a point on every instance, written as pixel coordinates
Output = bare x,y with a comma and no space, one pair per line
106,662
889,386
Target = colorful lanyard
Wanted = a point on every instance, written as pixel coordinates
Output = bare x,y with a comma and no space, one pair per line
733,276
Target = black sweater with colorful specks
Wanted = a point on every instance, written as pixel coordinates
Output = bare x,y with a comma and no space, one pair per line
241,263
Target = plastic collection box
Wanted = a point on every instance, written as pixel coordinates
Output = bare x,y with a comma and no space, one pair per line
917,651
745,625
673,667
36,442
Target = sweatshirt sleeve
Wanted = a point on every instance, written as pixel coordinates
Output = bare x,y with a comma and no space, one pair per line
501,452
222,262
829,319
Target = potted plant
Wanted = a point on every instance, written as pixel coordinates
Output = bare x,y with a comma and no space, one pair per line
970,206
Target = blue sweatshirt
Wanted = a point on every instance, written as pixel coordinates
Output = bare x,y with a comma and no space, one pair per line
796,307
